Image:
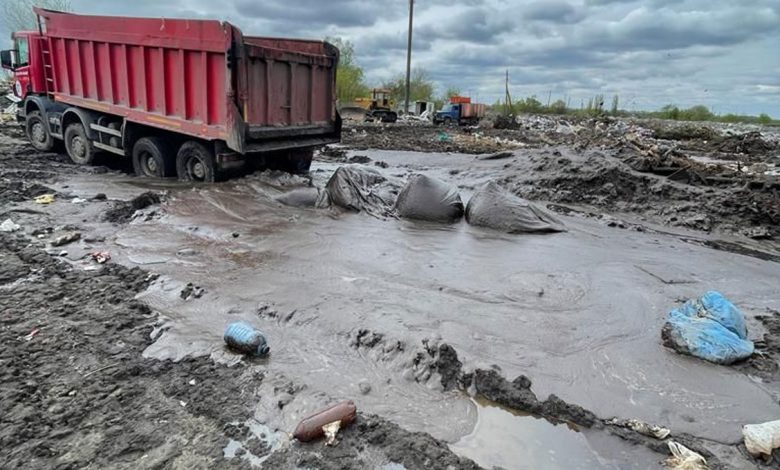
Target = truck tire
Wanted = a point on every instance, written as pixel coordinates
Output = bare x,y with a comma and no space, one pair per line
78,145
447,121
38,132
152,158
196,163
390,117
300,161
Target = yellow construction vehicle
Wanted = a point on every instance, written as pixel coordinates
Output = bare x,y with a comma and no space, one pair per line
379,107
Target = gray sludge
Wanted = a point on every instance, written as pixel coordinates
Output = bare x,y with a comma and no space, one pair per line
426,198
300,197
357,189
495,207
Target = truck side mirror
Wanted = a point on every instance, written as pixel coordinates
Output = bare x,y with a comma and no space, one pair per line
8,59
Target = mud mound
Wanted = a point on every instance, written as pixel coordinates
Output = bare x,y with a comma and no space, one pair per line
425,138
750,143
494,207
426,198
684,132
123,210
608,183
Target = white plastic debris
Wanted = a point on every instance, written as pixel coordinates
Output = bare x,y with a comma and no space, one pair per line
762,438
331,430
9,226
643,428
684,458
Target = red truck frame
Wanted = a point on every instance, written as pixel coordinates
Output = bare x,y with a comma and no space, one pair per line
186,98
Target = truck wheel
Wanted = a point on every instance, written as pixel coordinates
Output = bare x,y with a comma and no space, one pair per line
447,121
300,161
152,157
78,145
390,117
38,132
195,162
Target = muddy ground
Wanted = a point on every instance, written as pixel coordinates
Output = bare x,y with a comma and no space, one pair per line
707,177
117,365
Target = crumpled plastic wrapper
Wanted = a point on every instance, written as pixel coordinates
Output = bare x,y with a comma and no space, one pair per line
330,430
684,458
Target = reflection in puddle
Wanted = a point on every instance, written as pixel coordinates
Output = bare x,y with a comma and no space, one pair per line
512,440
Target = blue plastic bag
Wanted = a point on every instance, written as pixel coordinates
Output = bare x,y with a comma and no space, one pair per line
710,328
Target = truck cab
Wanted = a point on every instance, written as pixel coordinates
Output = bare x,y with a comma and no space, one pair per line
21,61
449,114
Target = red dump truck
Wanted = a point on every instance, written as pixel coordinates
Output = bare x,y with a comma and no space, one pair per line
186,98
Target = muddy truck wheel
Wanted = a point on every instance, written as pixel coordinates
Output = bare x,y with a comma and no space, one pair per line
196,163
152,157
38,132
390,117
78,145
299,161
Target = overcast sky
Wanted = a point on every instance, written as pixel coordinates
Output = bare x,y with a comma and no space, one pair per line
721,53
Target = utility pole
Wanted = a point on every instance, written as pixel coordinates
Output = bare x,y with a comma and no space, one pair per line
409,57
507,96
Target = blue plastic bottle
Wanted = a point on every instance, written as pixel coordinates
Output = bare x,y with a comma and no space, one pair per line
246,339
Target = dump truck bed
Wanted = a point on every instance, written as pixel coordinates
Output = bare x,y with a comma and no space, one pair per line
197,77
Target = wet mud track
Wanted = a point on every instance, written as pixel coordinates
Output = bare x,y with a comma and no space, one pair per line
362,308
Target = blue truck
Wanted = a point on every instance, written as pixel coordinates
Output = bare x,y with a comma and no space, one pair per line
460,110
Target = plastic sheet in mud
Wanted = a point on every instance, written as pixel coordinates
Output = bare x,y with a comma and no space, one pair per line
495,207
359,190
426,198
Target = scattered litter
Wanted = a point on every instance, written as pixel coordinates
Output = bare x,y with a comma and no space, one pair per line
65,239
191,291
32,334
762,439
192,382
62,253
364,386
44,199
78,200
313,427
246,339
710,328
444,137
426,198
101,256
494,207
684,458
643,428
9,226
182,403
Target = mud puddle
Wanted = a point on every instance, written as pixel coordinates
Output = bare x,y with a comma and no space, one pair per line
579,312
508,439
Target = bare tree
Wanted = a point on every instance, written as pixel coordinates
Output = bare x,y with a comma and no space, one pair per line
18,15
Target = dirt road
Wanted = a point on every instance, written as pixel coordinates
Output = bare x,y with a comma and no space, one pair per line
424,325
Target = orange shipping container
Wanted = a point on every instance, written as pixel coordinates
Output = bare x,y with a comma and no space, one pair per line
460,99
